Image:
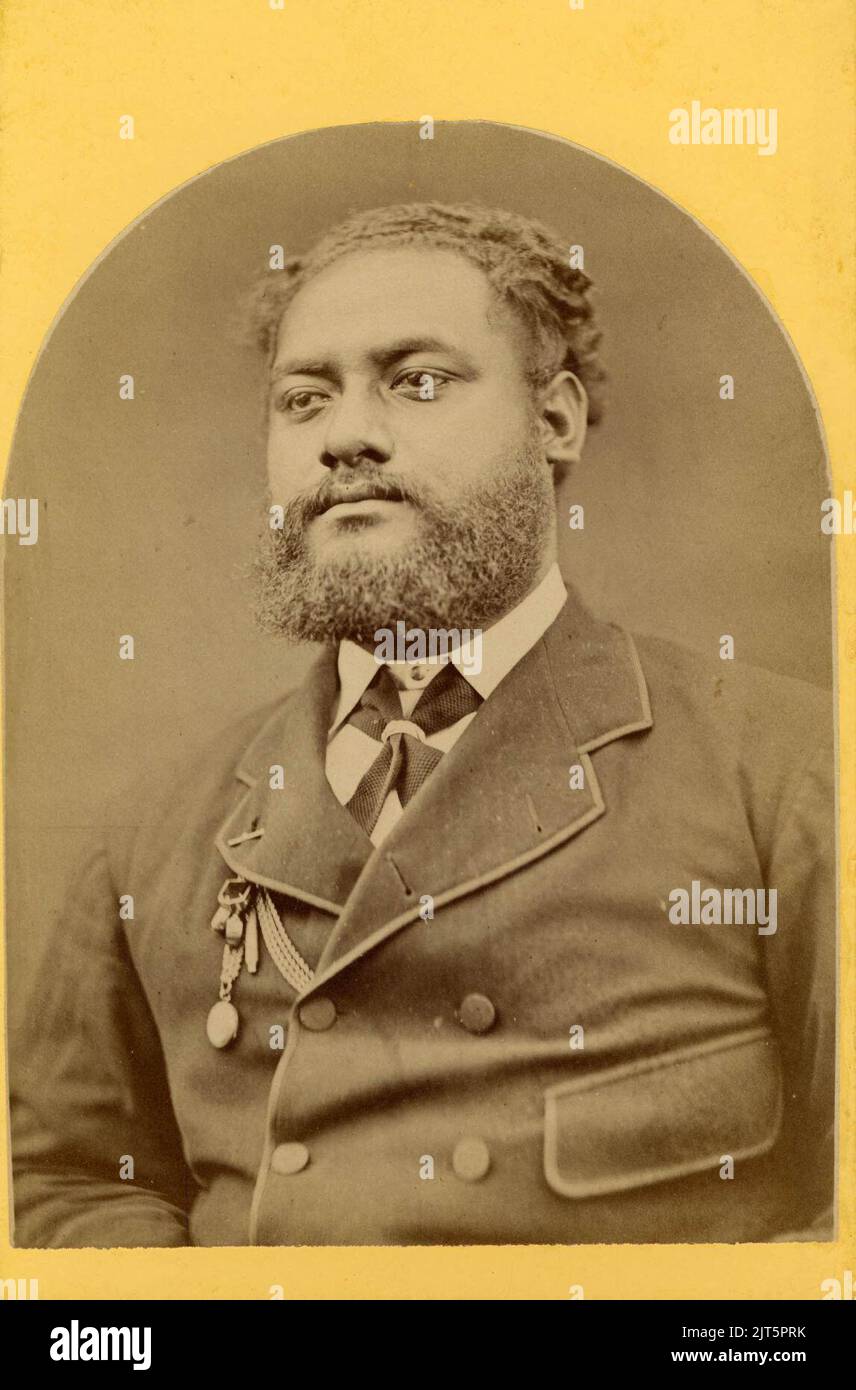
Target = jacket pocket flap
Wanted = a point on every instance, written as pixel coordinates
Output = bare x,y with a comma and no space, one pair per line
663,1117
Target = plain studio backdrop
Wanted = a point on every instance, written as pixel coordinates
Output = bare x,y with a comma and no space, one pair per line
701,515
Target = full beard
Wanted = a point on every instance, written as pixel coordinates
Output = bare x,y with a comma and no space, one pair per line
469,563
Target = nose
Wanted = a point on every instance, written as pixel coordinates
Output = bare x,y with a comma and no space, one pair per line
356,431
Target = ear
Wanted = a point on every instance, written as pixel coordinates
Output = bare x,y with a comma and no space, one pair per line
562,409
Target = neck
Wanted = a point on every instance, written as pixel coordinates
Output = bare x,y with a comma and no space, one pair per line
547,560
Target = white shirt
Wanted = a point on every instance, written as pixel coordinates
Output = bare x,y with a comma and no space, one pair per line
351,752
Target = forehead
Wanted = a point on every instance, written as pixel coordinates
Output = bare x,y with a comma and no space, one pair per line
371,298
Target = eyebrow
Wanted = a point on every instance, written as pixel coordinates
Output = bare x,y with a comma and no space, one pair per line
381,357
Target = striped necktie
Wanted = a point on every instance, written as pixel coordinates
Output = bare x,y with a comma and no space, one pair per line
405,760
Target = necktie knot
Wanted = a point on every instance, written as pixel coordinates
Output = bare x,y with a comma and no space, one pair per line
402,726
405,759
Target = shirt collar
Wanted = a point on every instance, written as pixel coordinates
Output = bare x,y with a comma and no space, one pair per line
502,646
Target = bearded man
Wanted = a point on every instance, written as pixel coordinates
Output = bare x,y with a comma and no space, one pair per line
401,965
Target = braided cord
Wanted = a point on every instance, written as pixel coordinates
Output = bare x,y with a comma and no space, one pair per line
282,950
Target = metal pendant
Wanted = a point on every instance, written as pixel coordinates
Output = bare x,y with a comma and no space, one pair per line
220,918
222,1025
234,928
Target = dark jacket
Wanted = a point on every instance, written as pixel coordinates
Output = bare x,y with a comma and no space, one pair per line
438,1092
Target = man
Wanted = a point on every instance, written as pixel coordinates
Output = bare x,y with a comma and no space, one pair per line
533,947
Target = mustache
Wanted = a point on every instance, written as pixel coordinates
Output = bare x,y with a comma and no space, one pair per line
367,487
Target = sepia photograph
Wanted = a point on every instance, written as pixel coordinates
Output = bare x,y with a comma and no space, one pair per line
420,726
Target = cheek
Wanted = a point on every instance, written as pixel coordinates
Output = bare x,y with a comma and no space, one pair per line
467,443
289,460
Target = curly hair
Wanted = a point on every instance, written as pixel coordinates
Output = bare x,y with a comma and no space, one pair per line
526,263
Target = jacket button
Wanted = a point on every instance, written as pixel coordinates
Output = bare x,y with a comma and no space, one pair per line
318,1014
477,1013
289,1158
471,1159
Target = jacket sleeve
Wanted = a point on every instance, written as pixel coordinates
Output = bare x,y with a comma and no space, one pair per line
96,1151
801,974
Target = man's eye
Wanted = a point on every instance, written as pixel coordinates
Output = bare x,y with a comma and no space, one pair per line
300,401
419,384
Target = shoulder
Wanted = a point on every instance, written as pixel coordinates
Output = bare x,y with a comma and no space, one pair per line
742,702
608,675
736,730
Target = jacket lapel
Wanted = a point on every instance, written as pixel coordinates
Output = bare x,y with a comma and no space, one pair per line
311,847
500,798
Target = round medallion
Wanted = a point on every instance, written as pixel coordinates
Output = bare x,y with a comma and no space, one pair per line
471,1159
222,1024
477,1013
